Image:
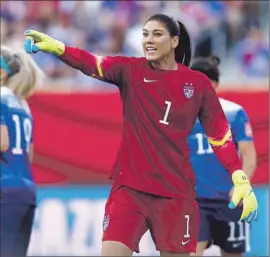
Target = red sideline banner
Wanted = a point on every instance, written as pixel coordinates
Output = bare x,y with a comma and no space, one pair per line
77,135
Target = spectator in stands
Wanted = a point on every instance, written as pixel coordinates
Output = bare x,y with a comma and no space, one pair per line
252,54
217,27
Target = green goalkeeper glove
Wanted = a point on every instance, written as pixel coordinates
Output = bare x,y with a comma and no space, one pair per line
36,41
243,191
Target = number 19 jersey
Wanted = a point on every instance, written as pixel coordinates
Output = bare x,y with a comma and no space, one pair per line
17,185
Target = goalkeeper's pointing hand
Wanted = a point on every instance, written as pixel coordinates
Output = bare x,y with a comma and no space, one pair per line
36,41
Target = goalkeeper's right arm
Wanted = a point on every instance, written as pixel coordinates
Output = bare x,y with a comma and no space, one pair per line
108,68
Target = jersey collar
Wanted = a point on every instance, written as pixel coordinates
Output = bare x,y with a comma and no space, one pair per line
6,91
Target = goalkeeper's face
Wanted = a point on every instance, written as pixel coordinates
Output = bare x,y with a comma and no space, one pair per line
157,42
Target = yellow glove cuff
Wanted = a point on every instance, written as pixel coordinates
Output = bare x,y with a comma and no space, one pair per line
240,177
60,48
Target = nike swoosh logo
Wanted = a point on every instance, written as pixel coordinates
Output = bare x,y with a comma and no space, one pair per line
235,245
149,80
185,242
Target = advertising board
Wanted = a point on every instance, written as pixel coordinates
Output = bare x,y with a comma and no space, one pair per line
69,222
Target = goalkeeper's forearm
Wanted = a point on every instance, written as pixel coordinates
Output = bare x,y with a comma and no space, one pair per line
82,60
228,156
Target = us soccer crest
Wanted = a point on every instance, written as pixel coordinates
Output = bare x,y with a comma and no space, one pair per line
106,222
188,90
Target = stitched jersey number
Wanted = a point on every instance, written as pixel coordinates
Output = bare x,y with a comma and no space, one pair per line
239,234
201,149
164,121
187,235
232,237
26,135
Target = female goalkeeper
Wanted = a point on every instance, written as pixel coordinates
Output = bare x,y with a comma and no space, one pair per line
153,182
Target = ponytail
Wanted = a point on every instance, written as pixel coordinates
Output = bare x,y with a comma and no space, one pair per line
183,49
25,75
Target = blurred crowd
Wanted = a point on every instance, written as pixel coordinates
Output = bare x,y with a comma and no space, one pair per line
237,31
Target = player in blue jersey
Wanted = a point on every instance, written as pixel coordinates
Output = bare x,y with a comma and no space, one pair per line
19,77
219,224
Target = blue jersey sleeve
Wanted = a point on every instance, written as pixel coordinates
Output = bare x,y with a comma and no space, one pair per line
241,127
3,113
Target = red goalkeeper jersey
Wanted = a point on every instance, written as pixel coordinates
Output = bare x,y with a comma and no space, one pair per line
160,109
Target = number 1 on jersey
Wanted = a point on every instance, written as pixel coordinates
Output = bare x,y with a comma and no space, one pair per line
17,149
164,121
187,235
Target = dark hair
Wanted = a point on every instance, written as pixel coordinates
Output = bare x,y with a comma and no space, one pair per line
208,65
176,28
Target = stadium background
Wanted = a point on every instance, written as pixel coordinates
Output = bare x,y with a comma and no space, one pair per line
78,120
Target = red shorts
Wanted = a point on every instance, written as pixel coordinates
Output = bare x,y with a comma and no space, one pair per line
173,223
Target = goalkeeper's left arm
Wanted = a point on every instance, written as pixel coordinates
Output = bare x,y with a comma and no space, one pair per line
219,136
